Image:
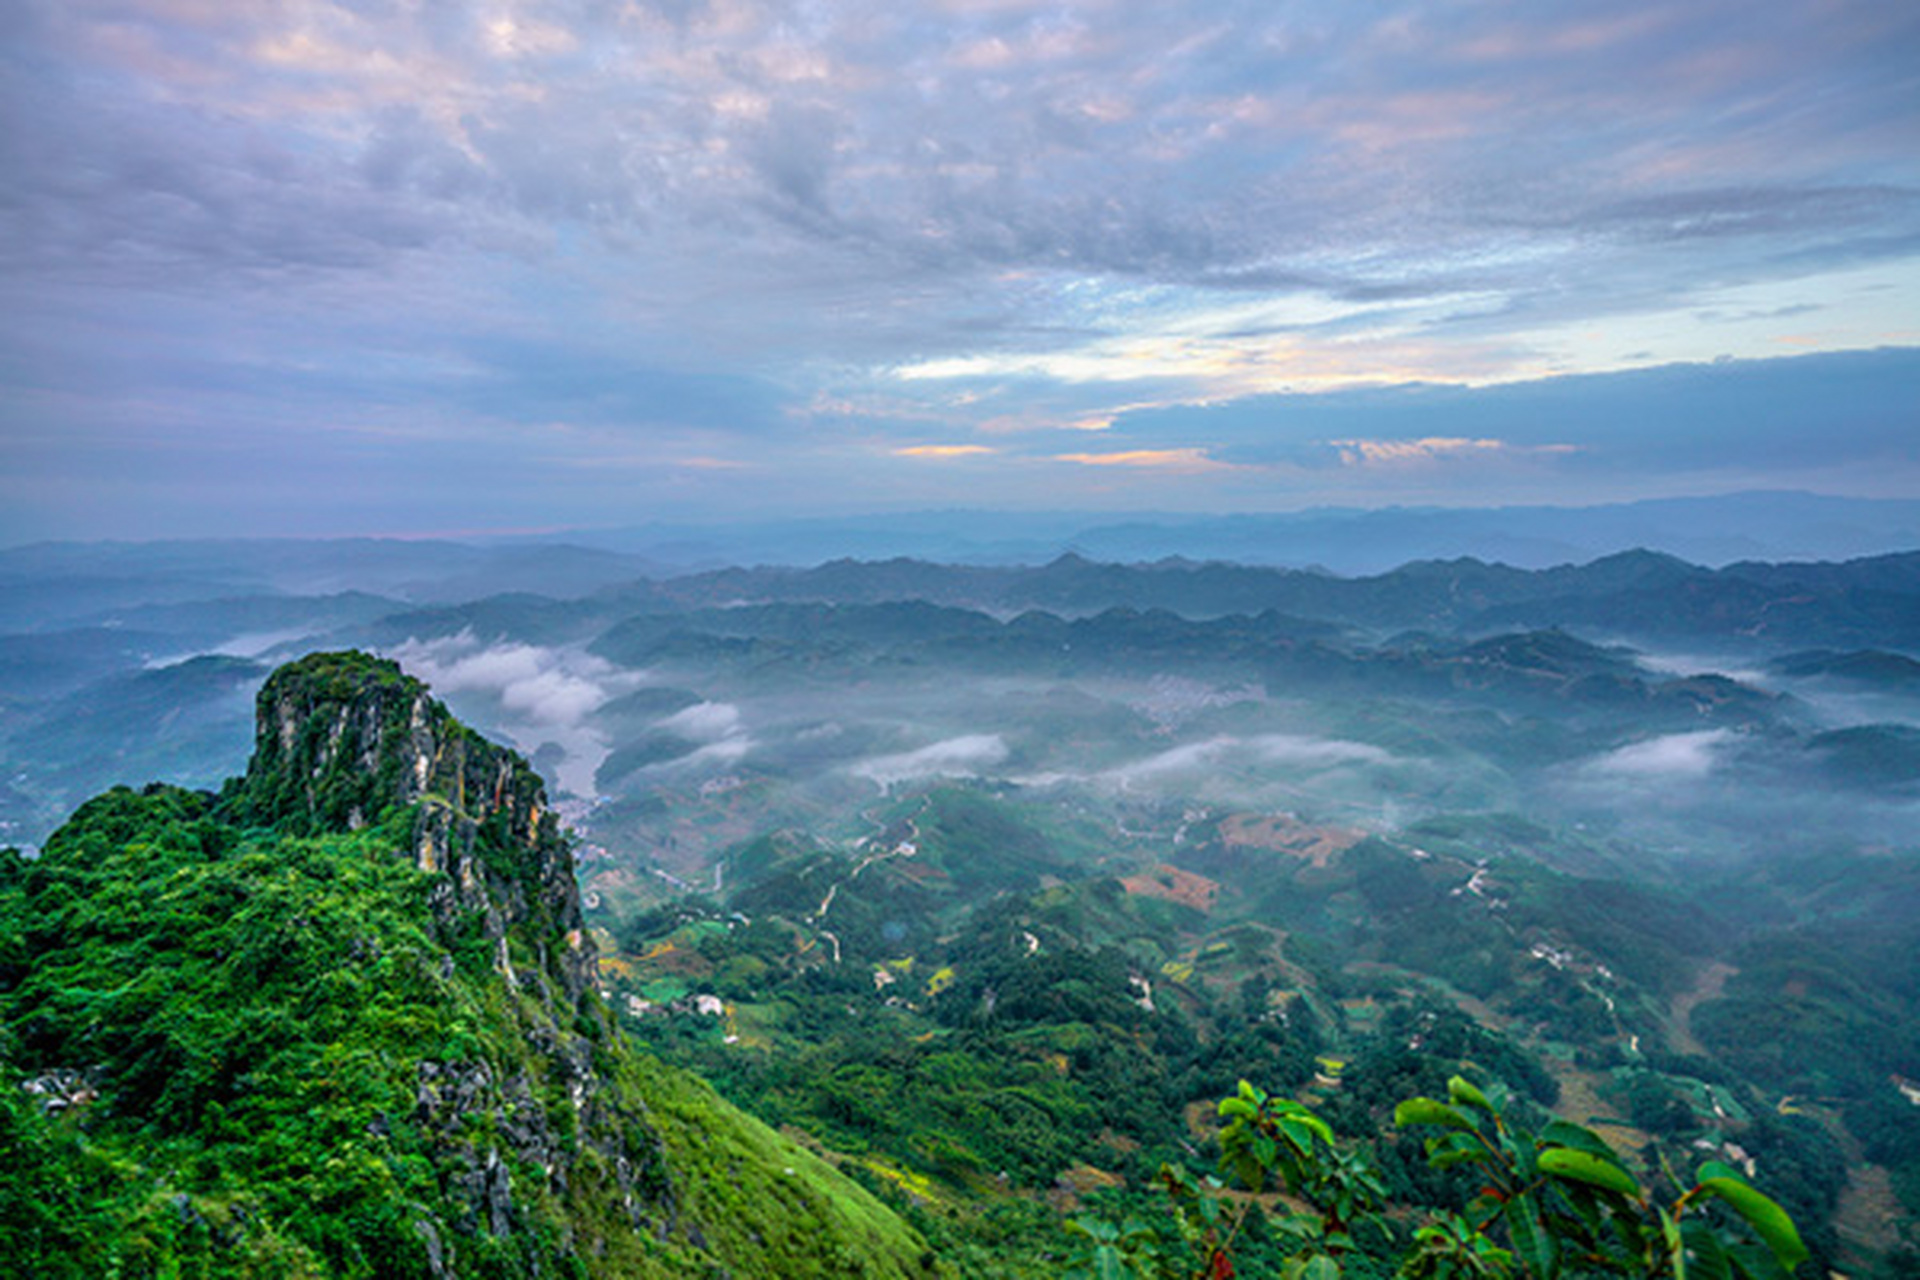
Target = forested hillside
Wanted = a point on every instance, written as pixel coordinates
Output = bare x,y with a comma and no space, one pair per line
339,1019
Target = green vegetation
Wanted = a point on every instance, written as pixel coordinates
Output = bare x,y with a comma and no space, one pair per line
345,1015
968,1039
239,1038
1560,1203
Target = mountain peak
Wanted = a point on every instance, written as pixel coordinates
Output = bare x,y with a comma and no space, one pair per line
347,740
333,743
353,1067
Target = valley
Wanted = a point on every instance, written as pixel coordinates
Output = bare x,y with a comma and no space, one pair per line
985,884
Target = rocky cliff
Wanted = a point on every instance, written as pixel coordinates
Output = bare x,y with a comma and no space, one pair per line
341,1019
344,739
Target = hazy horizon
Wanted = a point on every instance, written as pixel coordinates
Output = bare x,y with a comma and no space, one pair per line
1777,527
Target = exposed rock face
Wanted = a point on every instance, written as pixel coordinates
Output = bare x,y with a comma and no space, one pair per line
379,986
342,738
344,741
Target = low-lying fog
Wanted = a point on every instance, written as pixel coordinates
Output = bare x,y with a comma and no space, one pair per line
611,737
1831,758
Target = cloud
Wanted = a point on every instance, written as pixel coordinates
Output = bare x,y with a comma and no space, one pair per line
323,239
708,722
1178,460
943,451
553,697
1181,759
1020,140
1283,748
727,751
538,686
253,644
1673,757
1298,772
962,757
1743,418
1373,452
533,694
1226,753
1690,664
720,729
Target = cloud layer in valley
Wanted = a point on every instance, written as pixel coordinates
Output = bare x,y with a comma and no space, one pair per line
1673,757
533,694
966,756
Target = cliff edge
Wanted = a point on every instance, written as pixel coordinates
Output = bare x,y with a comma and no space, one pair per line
341,1019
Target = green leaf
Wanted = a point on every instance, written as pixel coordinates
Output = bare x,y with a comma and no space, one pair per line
1320,1267
1768,1220
1709,1259
1293,1114
1530,1239
1427,1111
1559,1133
1461,1092
1300,1135
1675,1246
1592,1170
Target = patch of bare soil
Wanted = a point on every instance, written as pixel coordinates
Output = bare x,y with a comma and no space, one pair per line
1203,1117
1869,1215
1283,833
1174,885
1708,984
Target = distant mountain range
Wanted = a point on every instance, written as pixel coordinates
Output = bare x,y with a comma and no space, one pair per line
1871,601
96,682
59,583
1711,530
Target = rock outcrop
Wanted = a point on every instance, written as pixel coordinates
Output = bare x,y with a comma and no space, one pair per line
344,739
342,1019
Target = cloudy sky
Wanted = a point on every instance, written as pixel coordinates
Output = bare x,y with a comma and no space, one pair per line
409,266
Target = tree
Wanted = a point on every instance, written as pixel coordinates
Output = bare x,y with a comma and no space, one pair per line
1556,1205
1567,1205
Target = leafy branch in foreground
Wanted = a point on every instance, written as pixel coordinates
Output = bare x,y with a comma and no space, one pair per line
1555,1205
1568,1206
1272,1145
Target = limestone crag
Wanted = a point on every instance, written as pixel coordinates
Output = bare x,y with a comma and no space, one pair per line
339,1019
345,741
344,738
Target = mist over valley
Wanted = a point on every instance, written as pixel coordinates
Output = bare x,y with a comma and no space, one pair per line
1614,827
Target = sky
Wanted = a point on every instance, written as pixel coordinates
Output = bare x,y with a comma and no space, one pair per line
427,267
